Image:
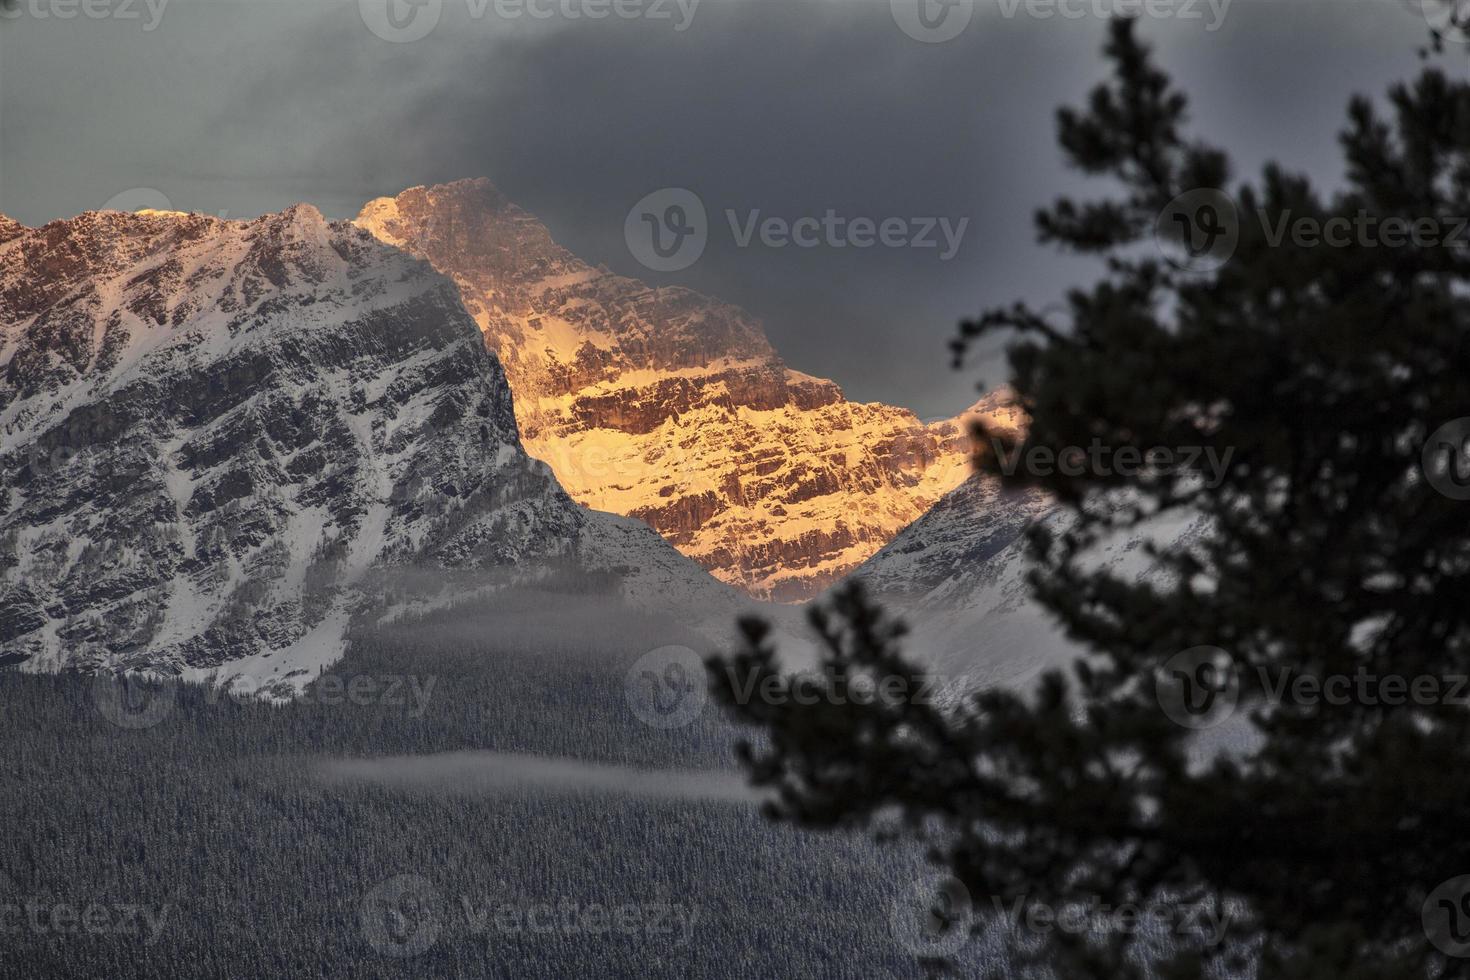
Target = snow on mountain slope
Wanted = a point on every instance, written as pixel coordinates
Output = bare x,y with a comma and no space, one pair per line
213,431
672,407
957,576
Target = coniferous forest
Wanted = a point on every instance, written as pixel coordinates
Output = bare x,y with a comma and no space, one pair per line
212,842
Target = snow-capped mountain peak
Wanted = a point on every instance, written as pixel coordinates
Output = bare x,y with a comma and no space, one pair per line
213,431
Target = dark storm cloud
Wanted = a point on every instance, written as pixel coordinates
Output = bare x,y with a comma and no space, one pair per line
788,109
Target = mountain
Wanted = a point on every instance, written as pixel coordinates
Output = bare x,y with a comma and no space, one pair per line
218,435
672,407
958,577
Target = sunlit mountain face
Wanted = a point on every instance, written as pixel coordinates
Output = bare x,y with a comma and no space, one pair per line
671,406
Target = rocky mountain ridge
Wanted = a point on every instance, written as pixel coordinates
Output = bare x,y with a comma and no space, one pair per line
216,434
672,407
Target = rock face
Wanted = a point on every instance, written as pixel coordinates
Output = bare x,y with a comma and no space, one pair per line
215,433
669,406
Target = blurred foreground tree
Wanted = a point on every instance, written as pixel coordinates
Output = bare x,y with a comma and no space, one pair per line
1320,340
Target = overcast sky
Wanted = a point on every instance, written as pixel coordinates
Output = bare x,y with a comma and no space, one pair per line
787,108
